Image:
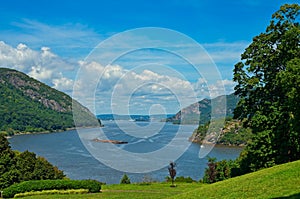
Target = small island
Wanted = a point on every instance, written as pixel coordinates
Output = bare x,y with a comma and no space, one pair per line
110,141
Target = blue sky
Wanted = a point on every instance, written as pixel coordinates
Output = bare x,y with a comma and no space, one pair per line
49,40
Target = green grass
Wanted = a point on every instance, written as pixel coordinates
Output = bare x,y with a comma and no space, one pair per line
134,191
282,181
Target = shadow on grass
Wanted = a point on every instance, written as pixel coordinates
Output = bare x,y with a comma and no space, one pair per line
294,196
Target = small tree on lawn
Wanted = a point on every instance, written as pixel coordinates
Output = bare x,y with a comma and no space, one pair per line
211,171
125,179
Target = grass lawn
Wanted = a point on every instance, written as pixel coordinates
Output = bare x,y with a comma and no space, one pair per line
154,190
282,181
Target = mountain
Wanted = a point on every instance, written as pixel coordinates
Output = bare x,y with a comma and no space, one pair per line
202,110
27,105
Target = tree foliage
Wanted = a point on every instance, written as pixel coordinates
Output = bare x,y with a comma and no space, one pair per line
18,167
27,105
219,170
268,84
231,133
125,180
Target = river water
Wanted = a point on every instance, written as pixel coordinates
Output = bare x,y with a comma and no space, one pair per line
67,151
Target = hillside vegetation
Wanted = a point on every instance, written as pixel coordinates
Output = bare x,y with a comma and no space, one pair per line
27,105
200,112
230,133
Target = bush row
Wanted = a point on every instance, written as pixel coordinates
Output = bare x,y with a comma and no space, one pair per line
92,186
51,192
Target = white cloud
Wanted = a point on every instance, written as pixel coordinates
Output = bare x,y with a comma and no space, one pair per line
40,73
63,84
119,89
221,87
43,65
114,86
18,57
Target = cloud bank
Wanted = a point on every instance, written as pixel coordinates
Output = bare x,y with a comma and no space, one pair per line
116,88
43,65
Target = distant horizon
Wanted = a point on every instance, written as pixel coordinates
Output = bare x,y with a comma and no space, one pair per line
135,114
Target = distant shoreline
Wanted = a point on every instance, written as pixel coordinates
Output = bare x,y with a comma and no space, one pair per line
218,144
48,132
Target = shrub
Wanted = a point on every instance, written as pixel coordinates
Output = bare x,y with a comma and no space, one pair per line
184,179
50,192
92,186
181,179
125,179
219,170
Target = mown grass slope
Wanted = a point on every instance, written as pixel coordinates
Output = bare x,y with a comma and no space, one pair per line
282,181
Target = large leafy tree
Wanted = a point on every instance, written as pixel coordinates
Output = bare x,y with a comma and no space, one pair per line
268,84
17,167
8,172
32,167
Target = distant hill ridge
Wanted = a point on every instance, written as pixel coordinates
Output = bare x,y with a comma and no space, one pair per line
200,112
134,117
27,105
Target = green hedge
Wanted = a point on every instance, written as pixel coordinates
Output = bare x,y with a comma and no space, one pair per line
38,185
51,192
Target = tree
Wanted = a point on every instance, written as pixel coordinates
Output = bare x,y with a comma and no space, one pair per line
25,164
17,167
210,172
32,167
172,172
125,180
44,170
268,85
9,174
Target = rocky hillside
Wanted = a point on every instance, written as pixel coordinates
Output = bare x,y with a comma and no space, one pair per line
202,110
27,105
230,133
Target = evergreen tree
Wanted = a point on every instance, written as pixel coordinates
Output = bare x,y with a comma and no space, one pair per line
125,180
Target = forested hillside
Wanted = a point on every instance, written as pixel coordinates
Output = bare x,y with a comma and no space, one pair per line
27,105
200,112
231,133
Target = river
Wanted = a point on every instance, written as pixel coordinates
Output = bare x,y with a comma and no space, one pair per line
68,153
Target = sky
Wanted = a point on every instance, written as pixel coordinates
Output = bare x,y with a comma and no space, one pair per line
135,57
